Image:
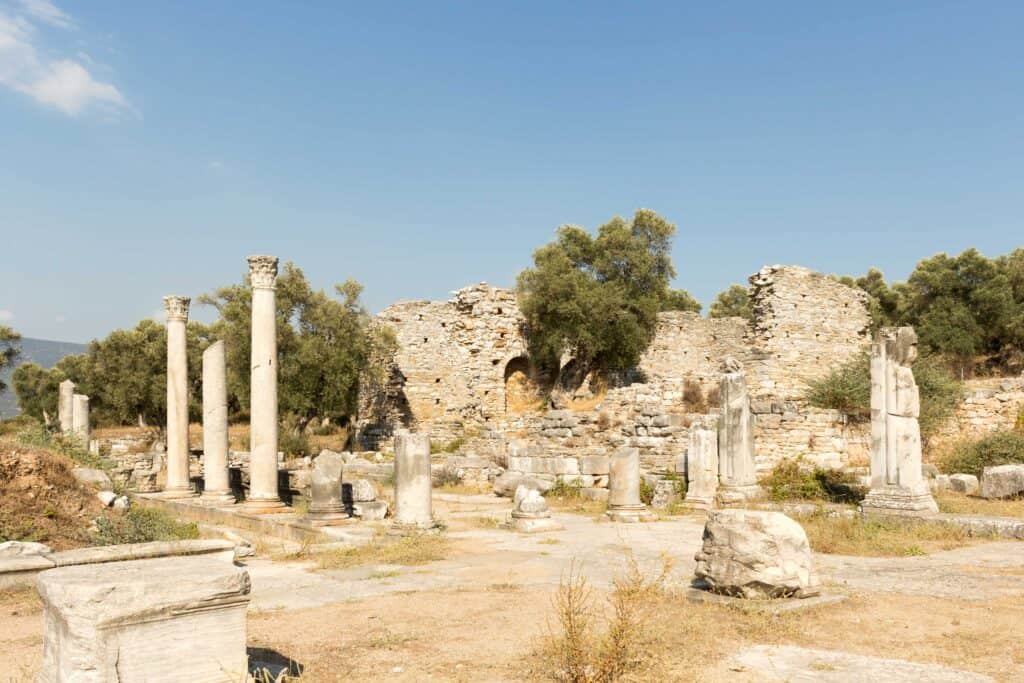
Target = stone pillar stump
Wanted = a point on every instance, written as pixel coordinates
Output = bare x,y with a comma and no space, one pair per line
412,481
624,504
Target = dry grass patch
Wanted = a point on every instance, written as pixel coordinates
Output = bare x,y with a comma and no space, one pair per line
959,504
881,537
404,550
482,522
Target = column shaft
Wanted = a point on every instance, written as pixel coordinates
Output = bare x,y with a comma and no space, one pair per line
216,487
177,396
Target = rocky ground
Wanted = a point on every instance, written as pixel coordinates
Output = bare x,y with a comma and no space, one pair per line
479,614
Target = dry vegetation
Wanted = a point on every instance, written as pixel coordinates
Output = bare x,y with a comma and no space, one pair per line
40,500
959,504
383,549
881,537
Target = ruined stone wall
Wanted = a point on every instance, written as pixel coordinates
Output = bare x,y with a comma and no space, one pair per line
449,372
805,323
449,376
989,404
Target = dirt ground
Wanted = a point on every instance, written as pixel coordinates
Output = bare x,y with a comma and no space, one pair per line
480,613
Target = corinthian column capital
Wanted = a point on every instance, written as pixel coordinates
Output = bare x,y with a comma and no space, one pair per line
263,271
177,307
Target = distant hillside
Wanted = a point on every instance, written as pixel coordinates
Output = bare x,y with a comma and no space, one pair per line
41,352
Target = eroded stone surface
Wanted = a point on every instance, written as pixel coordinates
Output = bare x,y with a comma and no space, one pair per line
1002,481
180,618
756,554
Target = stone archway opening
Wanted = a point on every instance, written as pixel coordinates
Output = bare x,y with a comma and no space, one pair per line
522,392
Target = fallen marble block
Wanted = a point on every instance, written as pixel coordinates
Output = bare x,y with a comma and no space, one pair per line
176,618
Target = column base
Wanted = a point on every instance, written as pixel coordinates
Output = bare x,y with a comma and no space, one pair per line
738,496
630,513
327,518
217,498
529,524
176,493
414,528
262,506
895,500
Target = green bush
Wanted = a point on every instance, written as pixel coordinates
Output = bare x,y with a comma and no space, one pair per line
974,455
142,525
848,389
294,443
36,435
791,480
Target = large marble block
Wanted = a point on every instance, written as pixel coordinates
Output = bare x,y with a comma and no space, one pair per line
167,619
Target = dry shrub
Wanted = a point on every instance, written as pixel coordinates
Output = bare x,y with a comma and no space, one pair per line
693,396
713,397
581,651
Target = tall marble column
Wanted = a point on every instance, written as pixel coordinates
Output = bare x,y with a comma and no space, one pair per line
412,481
80,419
624,504
737,470
897,485
263,492
216,488
65,406
178,483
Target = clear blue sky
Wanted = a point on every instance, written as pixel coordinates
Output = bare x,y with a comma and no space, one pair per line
147,147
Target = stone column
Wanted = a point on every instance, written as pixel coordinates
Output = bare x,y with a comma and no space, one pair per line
737,471
624,504
702,466
80,419
326,503
65,406
178,484
897,485
216,487
412,481
263,493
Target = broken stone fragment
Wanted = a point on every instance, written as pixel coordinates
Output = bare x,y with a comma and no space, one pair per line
1002,481
756,555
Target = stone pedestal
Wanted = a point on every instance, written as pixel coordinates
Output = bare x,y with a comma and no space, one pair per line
326,504
412,481
167,619
80,431
531,514
263,493
178,483
737,471
702,467
66,407
624,503
216,485
897,484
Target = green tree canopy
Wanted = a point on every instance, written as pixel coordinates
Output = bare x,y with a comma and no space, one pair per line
733,302
680,300
323,344
963,306
597,297
9,349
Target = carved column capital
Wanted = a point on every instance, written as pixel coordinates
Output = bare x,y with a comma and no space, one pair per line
263,271
177,308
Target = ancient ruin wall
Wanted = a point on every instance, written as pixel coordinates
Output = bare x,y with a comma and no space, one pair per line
456,359
804,324
449,371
